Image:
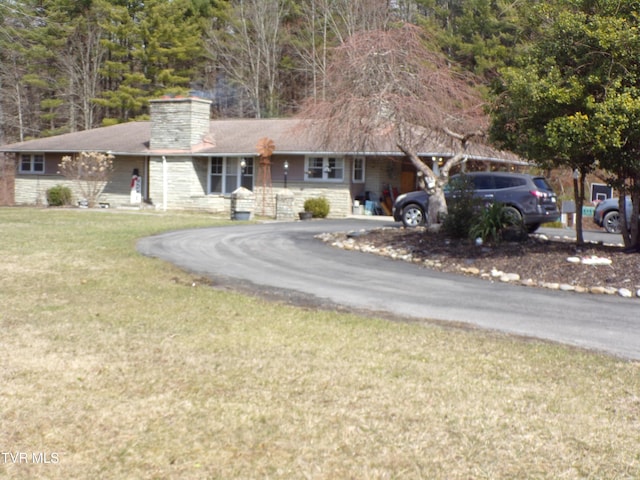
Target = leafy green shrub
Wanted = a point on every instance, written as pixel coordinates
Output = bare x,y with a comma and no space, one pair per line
319,207
497,222
59,196
462,208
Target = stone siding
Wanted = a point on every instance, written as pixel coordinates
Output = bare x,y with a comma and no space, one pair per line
338,196
187,182
179,123
32,189
284,205
242,200
187,186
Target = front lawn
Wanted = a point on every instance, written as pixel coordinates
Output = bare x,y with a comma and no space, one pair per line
117,366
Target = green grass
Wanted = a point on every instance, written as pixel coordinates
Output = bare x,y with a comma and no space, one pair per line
126,367
557,224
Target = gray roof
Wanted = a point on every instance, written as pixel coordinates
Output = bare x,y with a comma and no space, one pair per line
229,137
130,138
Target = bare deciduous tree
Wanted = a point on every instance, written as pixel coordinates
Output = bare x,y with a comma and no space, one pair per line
348,17
248,50
330,23
82,61
386,84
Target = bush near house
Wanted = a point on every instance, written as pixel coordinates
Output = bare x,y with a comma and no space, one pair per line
59,196
463,211
319,207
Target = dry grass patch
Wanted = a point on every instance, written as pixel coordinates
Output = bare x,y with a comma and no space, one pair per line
123,369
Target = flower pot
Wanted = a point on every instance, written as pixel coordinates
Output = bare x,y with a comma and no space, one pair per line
242,215
305,215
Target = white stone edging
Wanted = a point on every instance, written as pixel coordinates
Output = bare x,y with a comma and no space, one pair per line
505,277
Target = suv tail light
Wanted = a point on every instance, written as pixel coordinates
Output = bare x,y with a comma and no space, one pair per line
538,194
543,197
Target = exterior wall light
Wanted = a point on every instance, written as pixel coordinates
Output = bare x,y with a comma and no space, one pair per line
286,171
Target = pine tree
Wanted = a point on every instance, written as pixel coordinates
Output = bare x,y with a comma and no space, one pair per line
154,49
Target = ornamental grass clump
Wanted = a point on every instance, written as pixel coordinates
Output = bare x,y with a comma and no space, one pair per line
497,222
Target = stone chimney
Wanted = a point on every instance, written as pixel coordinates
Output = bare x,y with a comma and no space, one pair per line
179,123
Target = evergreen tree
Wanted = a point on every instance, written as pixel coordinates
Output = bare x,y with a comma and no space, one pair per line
573,98
154,49
478,34
28,72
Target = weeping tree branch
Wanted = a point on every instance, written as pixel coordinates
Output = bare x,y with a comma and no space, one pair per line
393,89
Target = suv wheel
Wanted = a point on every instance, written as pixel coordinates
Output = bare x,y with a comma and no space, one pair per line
514,214
532,227
611,222
412,216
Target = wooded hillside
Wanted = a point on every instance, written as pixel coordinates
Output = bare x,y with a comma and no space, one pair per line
69,65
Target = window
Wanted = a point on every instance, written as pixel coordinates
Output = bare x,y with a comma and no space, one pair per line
246,173
227,174
315,167
483,182
509,182
32,163
328,169
358,170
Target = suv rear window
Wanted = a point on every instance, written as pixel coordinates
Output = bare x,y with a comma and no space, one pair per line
483,182
509,182
542,183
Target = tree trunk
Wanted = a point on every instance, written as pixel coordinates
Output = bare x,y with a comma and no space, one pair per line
624,230
437,205
431,184
634,230
434,184
578,198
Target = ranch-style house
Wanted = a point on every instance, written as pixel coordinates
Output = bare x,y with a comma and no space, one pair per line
182,159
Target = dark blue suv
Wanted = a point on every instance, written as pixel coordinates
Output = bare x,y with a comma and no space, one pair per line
529,197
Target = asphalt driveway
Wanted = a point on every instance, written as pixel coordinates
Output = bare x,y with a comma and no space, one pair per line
284,259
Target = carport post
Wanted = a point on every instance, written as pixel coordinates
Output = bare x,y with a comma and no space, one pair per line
165,183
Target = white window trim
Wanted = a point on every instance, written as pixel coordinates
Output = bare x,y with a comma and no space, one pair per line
325,169
225,173
353,170
32,163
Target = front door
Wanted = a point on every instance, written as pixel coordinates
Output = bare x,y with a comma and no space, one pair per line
408,181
